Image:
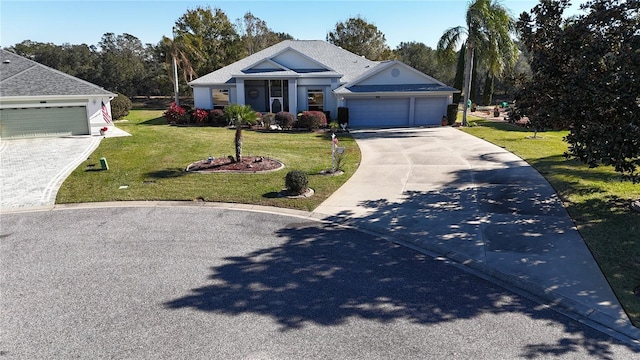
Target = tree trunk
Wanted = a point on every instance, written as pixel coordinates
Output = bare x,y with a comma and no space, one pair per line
175,80
238,141
468,67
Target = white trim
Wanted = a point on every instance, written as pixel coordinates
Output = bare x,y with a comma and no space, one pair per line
394,94
41,105
268,60
289,48
385,65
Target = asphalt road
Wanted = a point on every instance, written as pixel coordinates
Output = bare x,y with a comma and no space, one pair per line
192,282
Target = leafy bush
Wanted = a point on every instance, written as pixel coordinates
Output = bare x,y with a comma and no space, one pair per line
452,113
269,119
217,118
296,182
343,115
285,119
312,120
120,107
199,116
176,114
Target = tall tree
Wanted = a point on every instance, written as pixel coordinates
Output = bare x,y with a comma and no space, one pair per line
586,71
122,62
256,35
424,59
177,52
488,37
361,38
217,39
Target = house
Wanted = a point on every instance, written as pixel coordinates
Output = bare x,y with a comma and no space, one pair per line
36,101
298,75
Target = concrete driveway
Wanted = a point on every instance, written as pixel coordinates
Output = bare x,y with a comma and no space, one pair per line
461,197
33,169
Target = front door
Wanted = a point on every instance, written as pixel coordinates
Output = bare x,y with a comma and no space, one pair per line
276,98
275,104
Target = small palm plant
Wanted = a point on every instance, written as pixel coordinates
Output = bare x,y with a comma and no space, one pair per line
238,115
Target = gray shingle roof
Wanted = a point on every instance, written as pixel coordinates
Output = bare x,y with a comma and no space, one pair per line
20,76
337,60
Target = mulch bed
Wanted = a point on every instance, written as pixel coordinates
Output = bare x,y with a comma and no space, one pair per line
249,164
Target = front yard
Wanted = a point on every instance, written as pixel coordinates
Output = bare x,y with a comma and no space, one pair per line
150,165
597,200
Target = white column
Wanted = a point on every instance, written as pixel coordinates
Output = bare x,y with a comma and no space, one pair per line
293,96
240,91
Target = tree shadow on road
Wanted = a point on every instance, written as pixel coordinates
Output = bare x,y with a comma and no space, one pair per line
326,275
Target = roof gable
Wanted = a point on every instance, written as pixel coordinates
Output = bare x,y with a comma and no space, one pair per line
324,59
394,73
293,59
264,65
21,77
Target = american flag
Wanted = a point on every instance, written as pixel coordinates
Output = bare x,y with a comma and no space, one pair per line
105,114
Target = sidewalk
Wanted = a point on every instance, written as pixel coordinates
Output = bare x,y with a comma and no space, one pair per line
473,202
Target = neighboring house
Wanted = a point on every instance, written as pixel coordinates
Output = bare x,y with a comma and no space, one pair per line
298,75
36,101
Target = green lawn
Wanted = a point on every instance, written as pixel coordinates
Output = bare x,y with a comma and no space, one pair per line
597,200
151,164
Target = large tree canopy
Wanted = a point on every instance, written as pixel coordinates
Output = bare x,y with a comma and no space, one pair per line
213,35
256,35
424,59
586,75
362,38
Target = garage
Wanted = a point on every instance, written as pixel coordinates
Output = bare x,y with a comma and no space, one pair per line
43,121
374,112
429,110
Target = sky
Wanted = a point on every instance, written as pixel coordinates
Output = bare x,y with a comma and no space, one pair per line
85,21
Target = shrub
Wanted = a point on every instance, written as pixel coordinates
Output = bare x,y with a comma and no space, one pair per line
452,113
285,119
217,118
120,107
199,116
343,115
176,114
296,182
312,120
269,119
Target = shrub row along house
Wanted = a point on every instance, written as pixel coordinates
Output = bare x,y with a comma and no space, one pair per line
36,100
299,75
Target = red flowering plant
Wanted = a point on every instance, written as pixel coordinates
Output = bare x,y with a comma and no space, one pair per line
104,129
176,114
200,116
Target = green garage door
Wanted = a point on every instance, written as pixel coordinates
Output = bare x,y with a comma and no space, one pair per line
46,121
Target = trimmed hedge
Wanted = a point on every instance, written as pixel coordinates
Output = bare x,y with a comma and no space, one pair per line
217,118
312,120
296,182
120,106
286,120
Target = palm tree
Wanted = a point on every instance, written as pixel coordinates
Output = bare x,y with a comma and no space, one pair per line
239,115
177,51
488,36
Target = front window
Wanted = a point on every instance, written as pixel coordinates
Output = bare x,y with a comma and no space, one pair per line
316,99
220,97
